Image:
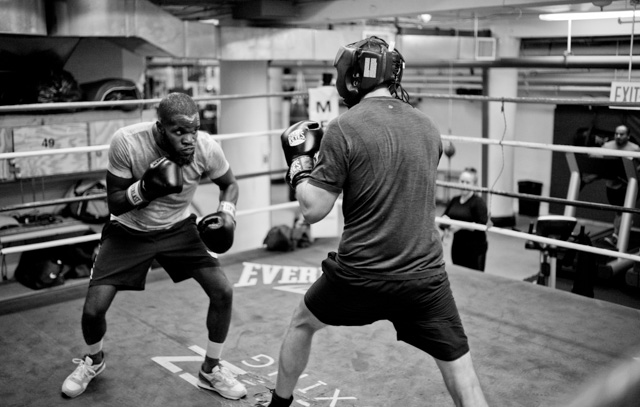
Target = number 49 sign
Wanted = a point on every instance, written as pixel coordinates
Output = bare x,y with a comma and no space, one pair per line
43,138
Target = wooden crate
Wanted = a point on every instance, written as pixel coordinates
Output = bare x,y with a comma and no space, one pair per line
100,133
55,136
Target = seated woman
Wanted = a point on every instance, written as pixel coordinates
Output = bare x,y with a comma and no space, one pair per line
469,247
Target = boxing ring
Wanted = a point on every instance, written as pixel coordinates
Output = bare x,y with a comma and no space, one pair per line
532,345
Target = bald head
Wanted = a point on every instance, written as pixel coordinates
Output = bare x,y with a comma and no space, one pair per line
621,135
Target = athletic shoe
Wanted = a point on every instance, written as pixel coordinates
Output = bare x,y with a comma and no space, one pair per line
76,383
264,399
222,381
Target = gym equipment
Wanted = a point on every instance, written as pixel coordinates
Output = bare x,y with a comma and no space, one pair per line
554,227
609,168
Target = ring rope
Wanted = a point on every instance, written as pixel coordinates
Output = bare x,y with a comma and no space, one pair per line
593,151
444,184
68,150
93,197
51,243
96,236
52,202
548,101
138,102
549,199
440,220
537,238
135,102
104,147
232,136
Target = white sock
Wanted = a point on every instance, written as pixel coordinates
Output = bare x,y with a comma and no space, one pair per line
214,350
95,348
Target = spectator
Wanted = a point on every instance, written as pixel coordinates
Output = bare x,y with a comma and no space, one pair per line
469,247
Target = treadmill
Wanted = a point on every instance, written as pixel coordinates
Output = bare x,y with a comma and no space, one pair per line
609,168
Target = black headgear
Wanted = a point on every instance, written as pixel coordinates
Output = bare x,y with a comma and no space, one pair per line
365,65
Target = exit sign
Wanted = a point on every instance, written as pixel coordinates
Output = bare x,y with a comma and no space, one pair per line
625,92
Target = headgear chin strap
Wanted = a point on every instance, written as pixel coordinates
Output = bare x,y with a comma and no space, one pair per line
365,65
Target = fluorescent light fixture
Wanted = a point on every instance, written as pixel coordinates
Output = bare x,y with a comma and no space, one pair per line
598,15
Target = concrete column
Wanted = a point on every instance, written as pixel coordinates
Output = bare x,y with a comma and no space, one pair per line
279,119
503,82
247,155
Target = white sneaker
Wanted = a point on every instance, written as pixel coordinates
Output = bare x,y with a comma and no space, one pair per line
76,383
221,380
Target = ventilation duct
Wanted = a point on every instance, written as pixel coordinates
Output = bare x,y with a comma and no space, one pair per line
136,25
265,10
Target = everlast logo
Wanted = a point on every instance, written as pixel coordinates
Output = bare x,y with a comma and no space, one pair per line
297,137
296,279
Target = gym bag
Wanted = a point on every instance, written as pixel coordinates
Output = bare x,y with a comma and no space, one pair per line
90,211
279,239
40,269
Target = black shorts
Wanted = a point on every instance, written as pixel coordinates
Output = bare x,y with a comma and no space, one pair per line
423,311
126,254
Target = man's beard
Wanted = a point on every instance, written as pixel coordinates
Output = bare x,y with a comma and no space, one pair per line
174,156
180,159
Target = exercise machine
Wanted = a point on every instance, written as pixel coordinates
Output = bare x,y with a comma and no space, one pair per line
554,227
608,168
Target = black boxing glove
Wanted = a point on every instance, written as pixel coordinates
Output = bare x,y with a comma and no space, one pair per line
163,177
217,229
300,143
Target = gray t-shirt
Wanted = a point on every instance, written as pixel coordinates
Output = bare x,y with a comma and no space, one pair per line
383,155
131,151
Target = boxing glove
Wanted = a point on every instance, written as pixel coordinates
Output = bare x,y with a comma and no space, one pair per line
163,177
216,230
300,143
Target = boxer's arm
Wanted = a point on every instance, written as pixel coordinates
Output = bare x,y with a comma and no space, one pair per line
117,194
229,190
315,203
